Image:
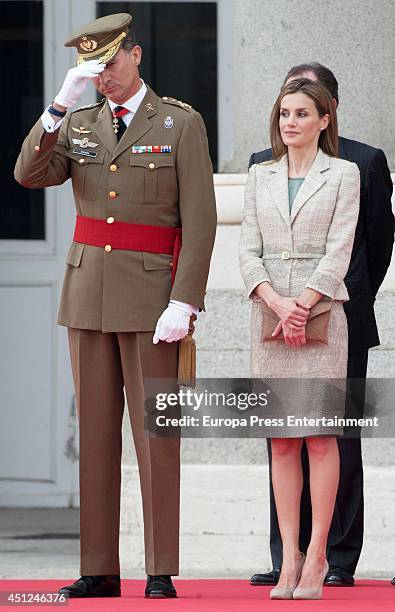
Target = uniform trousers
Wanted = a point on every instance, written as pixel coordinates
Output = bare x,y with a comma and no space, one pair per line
345,537
104,364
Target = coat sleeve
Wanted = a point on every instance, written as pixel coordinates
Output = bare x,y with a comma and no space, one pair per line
197,213
47,166
379,219
332,268
251,161
252,268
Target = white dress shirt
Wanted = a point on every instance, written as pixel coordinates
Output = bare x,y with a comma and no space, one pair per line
132,104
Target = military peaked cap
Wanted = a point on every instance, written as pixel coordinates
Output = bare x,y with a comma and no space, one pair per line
101,39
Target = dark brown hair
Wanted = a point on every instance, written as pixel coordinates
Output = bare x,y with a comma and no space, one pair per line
129,41
328,140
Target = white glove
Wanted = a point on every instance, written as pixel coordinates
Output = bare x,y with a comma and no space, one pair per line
76,81
173,324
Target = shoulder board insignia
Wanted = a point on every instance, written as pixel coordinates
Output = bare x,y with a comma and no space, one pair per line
178,103
102,101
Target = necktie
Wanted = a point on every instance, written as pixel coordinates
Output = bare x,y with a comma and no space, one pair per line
119,125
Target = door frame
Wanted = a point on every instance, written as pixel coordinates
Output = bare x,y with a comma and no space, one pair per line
40,264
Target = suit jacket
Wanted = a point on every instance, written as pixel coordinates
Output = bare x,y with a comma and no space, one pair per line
322,221
128,290
374,238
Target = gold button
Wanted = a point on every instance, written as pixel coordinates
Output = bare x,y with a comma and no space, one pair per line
151,166
171,264
110,220
113,167
107,248
81,161
113,195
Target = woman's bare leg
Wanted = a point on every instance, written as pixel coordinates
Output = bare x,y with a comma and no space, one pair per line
287,477
324,481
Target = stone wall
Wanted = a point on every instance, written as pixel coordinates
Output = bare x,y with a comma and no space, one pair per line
352,38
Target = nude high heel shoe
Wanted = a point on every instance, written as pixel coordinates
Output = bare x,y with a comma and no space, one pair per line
287,591
315,592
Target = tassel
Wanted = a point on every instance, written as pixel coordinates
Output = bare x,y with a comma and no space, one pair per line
187,358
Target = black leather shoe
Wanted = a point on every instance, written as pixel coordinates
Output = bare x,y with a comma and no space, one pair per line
338,577
94,586
268,579
160,587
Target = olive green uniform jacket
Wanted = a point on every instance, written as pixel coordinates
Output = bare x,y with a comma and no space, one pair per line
123,290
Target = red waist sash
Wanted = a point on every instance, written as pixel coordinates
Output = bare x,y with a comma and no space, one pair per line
130,237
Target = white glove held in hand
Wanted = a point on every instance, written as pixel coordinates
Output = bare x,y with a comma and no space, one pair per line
76,81
173,324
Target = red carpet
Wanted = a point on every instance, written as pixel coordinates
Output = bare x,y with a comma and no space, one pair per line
217,596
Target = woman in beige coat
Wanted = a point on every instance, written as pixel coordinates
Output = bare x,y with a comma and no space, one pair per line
297,235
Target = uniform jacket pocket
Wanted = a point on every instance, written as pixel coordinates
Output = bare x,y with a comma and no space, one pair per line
152,178
156,261
75,254
86,173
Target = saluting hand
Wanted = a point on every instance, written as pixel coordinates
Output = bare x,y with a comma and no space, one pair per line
76,81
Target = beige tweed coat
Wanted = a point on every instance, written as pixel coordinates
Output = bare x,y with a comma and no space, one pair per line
323,220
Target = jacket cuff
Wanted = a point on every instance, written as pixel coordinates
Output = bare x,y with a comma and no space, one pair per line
252,284
48,122
188,307
324,283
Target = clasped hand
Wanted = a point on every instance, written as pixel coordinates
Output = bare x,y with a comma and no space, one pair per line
293,318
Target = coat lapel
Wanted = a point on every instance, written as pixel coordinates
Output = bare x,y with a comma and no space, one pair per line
277,184
312,183
140,124
103,128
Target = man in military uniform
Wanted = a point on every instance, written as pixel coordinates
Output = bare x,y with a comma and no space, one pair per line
136,273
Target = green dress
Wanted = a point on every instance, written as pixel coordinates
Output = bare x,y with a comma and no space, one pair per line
293,188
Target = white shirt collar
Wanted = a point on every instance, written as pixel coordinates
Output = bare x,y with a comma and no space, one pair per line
134,102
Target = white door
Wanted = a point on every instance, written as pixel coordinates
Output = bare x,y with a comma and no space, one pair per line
38,429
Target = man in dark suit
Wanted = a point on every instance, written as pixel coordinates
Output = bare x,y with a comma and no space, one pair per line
370,259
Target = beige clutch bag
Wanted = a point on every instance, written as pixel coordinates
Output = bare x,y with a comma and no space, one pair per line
316,326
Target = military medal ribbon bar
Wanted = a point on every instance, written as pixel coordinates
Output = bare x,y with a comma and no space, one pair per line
151,149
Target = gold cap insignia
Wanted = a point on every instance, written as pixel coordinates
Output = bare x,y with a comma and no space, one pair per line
88,44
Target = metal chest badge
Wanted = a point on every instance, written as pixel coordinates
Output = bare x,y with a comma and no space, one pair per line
85,143
81,130
169,122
